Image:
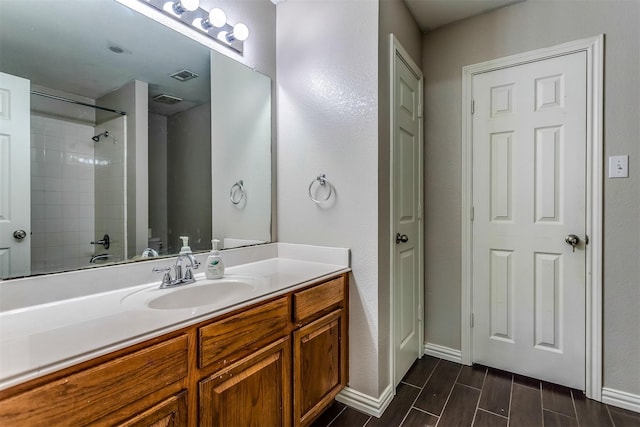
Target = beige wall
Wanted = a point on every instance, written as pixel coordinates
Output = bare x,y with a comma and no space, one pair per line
395,18
519,28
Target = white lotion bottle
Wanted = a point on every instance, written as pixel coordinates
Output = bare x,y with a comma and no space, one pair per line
185,249
215,266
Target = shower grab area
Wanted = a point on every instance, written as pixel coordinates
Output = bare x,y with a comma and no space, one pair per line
78,183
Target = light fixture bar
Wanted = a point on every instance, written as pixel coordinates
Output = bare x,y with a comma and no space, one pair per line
212,22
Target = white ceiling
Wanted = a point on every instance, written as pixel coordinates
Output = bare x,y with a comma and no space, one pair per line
431,14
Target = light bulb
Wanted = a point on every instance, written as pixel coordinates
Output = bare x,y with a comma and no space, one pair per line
217,18
181,6
240,32
190,5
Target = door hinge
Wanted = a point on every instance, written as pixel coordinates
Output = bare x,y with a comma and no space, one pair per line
420,312
473,106
471,320
419,110
473,212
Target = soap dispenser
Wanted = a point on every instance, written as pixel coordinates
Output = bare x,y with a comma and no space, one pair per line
185,249
215,266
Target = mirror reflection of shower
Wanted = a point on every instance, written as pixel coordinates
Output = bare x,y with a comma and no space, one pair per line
70,167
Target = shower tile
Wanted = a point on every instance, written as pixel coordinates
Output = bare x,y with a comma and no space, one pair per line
37,140
52,170
37,240
53,226
69,239
53,212
85,224
85,211
69,184
37,154
69,225
37,197
37,182
70,171
70,197
53,184
53,198
38,225
37,169
52,240
37,212
86,172
69,212
86,186
85,198
53,141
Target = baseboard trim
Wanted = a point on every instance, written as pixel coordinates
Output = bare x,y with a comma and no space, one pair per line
365,403
621,399
443,352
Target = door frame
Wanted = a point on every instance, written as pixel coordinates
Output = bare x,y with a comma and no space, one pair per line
396,49
594,48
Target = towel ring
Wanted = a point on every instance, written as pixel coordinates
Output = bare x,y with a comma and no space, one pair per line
237,188
322,179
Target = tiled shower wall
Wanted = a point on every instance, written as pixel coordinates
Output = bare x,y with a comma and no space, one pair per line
62,194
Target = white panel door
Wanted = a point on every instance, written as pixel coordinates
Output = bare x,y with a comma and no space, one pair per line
15,176
407,178
529,192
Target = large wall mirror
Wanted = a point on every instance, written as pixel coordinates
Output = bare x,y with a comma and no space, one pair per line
115,125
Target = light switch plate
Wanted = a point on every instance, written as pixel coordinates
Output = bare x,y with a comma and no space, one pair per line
619,167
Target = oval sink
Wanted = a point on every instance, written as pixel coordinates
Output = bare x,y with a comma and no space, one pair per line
204,294
219,293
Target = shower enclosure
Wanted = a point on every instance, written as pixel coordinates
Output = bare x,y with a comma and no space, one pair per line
78,155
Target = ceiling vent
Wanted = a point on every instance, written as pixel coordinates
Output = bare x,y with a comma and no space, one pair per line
167,99
183,75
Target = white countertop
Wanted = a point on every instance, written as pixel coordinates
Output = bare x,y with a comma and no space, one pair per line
40,339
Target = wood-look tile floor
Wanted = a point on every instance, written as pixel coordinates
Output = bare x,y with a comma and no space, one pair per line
439,393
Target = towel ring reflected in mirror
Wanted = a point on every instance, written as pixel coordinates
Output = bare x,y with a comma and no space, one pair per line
237,192
322,180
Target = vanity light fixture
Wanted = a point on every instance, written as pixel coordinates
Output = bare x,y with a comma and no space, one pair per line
181,6
212,22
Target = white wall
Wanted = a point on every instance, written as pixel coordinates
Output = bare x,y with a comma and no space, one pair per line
240,150
327,66
133,99
519,28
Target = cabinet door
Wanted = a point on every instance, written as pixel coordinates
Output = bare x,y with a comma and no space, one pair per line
319,363
253,392
169,413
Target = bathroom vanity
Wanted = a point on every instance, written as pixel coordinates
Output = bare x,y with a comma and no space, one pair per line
277,359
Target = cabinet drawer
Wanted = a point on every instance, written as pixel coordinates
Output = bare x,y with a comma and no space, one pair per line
81,398
315,300
237,336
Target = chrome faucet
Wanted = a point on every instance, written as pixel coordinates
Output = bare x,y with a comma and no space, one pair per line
180,279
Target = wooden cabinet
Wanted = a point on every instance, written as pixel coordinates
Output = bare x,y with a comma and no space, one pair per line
171,412
232,338
255,392
319,349
276,363
104,394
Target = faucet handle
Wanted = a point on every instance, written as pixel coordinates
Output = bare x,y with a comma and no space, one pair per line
166,279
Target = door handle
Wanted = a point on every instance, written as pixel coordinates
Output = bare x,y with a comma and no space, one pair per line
401,238
19,234
573,240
